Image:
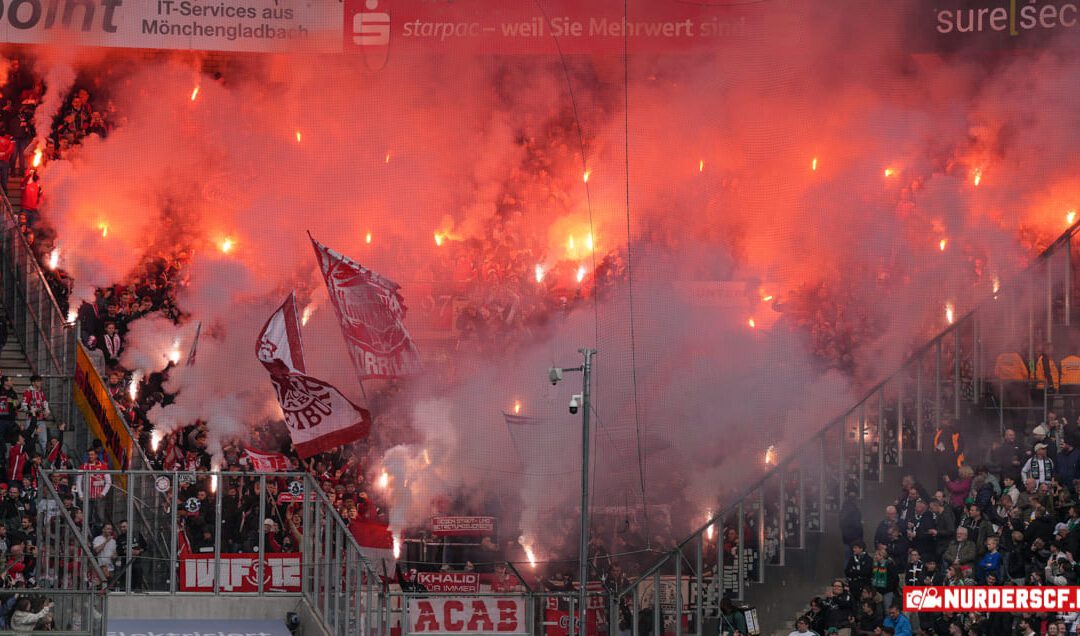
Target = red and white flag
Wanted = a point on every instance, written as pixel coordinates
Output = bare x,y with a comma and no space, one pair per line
376,543
266,462
372,314
318,416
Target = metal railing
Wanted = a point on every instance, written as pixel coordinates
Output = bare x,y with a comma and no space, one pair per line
211,546
951,378
38,320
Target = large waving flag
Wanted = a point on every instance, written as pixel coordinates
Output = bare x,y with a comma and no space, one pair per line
372,314
318,416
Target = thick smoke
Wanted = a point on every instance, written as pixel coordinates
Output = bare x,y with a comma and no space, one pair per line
828,194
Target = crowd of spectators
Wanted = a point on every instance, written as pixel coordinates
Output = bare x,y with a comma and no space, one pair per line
1004,511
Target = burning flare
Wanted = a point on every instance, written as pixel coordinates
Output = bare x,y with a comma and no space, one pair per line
1070,217
701,165
54,258
529,554
589,242
226,245
949,313
306,315
367,238
427,458
397,547
978,177
539,273
942,244
104,227
37,157
753,325
813,164
585,177
770,456
517,407
439,239
996,285
709,528
384,480
580,273
388,157
213,482
889,172
133,385
155,439
299,137
195,92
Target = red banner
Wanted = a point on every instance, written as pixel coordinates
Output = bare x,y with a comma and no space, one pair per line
569,26
462,526
239,572
476,615
266,462
449,582
371,312
557,618
318,416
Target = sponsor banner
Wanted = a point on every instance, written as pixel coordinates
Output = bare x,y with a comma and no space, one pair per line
372,27
976,598
200,627
462,526
239,572
100,413
979,26
210,25
467,615
449,582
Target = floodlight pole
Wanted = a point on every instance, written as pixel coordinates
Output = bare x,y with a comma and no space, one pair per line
583,546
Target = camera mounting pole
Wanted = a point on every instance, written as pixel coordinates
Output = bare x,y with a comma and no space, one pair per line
583,546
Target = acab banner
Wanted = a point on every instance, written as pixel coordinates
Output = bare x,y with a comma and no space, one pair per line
467,615
210,25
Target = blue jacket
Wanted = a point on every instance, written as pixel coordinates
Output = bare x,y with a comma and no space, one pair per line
989,563
901,625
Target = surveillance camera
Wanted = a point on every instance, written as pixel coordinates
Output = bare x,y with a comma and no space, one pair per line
575,403
554,374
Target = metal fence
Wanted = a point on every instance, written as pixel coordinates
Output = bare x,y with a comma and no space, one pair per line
204,545
40,324
951,379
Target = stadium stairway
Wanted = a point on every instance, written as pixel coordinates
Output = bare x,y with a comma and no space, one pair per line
13,360
808,572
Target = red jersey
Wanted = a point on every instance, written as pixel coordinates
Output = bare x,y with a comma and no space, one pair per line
34,401
17,460
99,483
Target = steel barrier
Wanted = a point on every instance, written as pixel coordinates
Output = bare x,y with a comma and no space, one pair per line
47,336
952,378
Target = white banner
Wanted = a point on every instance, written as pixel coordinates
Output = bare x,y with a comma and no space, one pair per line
211,25
467,615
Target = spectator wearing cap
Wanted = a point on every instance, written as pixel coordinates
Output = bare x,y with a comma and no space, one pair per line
1039,467
1041,435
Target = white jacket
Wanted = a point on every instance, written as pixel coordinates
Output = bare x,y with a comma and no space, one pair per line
25,622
